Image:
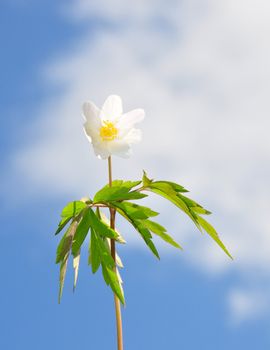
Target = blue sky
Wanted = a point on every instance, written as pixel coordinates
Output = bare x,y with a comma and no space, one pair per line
200,70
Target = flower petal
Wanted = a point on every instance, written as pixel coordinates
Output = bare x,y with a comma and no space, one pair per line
91,131
128,120
112,108
101,151
91,114
133,136
120,148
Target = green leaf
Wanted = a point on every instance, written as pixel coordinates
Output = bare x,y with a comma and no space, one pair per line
76,263
118,260
104,252
121,183
106,220
116,193
175,186
111,278
99,252
161,232
127,211
94,255
191,204
167,191
100,227
146,235
146,181
135,211
63,252
213,234
81,232
66,242
63,270
72,209
62,224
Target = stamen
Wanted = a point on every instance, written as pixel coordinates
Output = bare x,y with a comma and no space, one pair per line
108,131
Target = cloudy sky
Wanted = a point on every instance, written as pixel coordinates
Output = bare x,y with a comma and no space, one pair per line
201,71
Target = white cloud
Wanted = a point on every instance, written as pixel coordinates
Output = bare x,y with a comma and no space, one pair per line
246,306
201,71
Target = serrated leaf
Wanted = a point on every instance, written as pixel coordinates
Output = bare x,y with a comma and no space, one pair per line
63,270
146,235
135,211
146,181
120,193
94,254
137,224
63,252
106,220
81,232
166,191
118,260
76,263
213,234
62,224
161,232
191,204
104,252
121,183
72,209
100,227
105,275
66,242
174,185
111,278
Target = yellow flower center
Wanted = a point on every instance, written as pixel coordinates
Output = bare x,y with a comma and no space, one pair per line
108,131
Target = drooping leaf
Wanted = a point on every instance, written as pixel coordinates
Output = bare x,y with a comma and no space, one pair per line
127,210
66,242
213,234
161,232
104,252
100,253
146,235
106,220
172,192
94,254
118,260
63,222
111,278
76,263
81,232
166,191
100,227
135,211
63,270
192,205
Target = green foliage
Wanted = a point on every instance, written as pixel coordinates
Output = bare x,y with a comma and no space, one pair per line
85,222
119,191
71,210
161,231
169,191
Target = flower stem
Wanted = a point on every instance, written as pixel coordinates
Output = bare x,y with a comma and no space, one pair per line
113,253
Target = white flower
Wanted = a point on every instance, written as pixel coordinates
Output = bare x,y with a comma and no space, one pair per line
109,130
